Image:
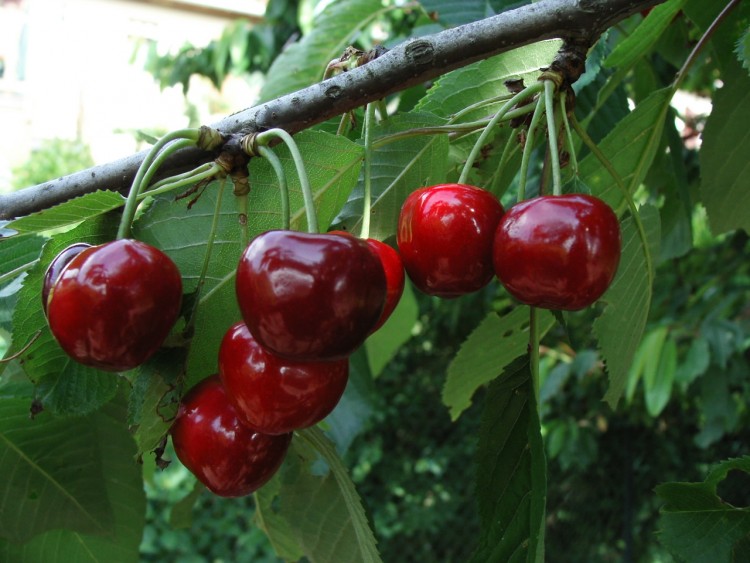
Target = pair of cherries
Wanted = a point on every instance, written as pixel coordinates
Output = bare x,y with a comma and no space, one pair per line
556,252
307,301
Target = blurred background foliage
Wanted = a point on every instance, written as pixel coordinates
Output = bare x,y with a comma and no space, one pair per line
686,401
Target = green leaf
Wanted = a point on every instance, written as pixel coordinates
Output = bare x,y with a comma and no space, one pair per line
645,35
69,213
276,528
326,512
620,328
630,147
111,479
511,471
304,62
474,83
332,163
181,517
743,50
696,363
398,168
492,346
385,342
457,12
54,476
17,254
698,526
725,168
659,373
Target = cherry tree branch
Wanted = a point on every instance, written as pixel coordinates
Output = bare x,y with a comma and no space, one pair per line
413,62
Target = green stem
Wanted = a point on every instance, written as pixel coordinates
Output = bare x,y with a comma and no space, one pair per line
528,146
702,43
601,157
568,134
307,195
549,100
198,175
524,94
382,109
132,202
479,105
17,271
367,196
275,163
166,181
509,145
161,157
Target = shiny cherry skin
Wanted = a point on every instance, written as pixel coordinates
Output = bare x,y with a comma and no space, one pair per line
558,252
445,237
395,278
274,395
57,266
310,296
228,457
113,305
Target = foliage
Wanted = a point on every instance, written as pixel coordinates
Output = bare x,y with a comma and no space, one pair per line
444,420
51,159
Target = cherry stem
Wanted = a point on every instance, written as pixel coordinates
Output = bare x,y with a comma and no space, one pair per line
275,163
549,101
193,177
569,135
479,105
510,144
475,150
602,158
132,202
263,139
528,146
461,128
367,196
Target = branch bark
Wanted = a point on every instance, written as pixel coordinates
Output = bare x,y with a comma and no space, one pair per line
414,61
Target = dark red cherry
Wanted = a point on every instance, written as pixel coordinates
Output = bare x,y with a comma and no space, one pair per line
57,266
394,277
274,395
113,305
228,457
310,296
445,237
558,252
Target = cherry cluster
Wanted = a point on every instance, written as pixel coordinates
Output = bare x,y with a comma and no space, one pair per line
307,302
556,252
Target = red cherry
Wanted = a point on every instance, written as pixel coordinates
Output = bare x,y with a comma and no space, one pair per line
57,266
394,277
274,395
445,237
310,296
558,252
228,457
113,305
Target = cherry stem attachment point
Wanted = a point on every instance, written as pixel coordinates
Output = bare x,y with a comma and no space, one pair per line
275,163
367,196
549,101
522,95
264,138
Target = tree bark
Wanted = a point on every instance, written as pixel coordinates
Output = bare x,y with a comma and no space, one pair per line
413,62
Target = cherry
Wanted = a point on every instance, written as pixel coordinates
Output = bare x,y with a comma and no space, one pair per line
445,237
274,395
394,274
228,457
57,266
112,306
310,296
558,252
394,277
